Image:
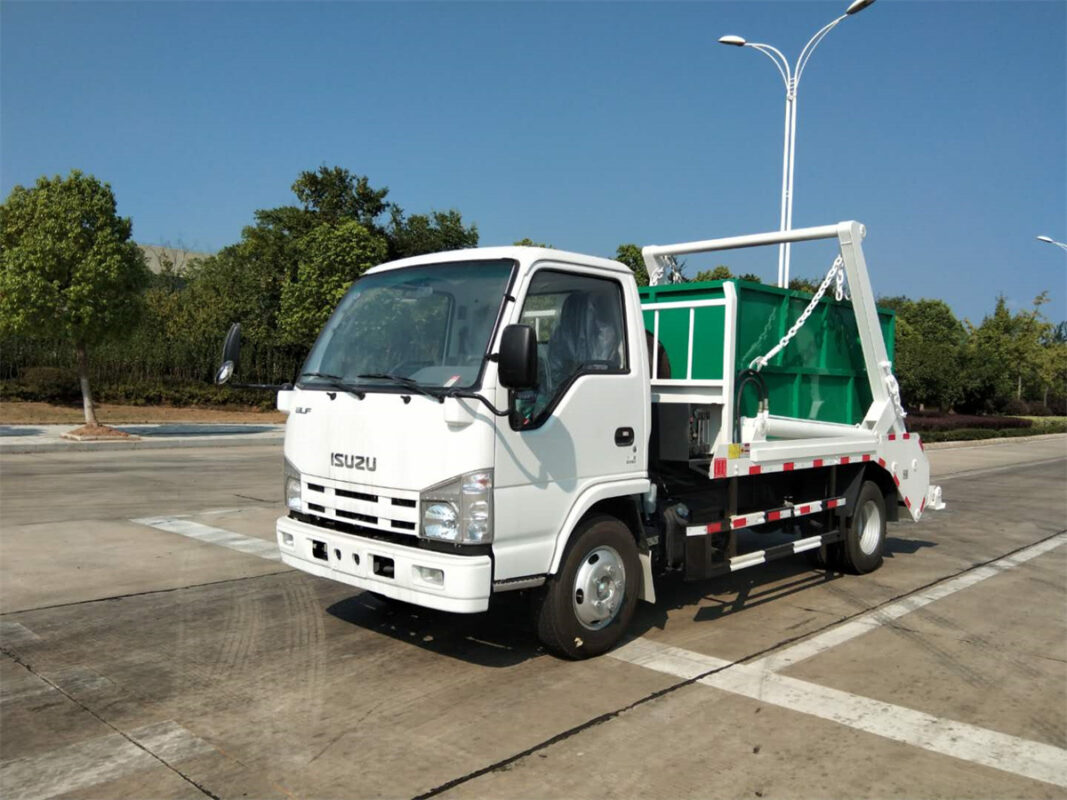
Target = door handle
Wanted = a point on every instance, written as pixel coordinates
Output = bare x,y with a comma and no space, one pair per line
624,437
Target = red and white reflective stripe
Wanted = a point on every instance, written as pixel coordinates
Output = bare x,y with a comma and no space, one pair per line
747,520
739,521
741,467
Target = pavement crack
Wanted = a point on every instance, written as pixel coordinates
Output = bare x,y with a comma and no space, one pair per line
29,668
505,763
141,594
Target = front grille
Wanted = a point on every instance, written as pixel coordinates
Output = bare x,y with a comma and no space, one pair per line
393,510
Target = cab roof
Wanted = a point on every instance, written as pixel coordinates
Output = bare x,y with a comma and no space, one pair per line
526,256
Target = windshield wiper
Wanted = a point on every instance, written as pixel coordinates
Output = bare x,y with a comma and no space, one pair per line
335,382
407,383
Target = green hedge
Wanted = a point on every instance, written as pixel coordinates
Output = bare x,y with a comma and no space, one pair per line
55,385
973,434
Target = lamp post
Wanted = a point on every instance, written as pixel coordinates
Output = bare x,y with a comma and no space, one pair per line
791,76
1050,240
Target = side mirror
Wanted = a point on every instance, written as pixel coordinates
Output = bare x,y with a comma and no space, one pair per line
518,357
231,355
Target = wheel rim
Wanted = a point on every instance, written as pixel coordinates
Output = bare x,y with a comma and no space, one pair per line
599,586
870,527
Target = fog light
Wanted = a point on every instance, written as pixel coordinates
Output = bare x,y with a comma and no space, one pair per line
287,539
431,575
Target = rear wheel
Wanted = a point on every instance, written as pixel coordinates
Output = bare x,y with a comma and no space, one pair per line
865,535
585,608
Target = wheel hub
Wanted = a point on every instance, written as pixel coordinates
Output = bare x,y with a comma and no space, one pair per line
599,588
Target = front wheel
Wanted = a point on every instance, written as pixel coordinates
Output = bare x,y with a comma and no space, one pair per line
585,608
864,543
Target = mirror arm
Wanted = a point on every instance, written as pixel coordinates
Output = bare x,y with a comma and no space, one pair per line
475,396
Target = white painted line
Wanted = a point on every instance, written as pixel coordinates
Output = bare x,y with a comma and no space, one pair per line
211,535
13,633
96,761
970,743
832,637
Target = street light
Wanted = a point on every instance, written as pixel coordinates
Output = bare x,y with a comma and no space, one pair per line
791,76
1050,240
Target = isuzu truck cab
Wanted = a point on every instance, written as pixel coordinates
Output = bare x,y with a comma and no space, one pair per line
517,418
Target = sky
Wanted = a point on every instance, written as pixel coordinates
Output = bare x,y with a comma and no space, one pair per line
942,126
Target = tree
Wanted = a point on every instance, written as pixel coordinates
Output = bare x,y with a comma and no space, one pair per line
331,258
334,194
630,255
67,265
809,285
929,347
720,273
526,241
289,269
428,233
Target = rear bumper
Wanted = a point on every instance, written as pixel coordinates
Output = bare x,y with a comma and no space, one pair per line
361,562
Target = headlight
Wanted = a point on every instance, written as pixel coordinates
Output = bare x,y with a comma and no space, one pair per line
440,521
459,510
292,488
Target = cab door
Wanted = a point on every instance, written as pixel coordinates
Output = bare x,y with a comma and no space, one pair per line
586,424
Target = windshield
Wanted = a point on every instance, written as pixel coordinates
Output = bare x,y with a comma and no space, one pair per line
427,325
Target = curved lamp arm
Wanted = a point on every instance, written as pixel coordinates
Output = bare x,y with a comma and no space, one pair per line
814,42
775,55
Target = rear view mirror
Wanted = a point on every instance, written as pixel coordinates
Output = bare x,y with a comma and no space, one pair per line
518,358
231,355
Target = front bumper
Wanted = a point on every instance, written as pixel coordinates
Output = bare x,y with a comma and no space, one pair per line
387,568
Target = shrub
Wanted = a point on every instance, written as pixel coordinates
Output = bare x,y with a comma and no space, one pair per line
44,387
973,434
1015,407
51,384
952,422
1038,409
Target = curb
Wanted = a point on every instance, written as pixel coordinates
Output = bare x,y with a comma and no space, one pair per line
67,446
998,440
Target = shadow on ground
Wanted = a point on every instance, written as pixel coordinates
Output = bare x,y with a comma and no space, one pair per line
203,429
19,430
505,635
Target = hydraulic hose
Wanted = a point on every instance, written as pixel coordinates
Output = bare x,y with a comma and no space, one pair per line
744,378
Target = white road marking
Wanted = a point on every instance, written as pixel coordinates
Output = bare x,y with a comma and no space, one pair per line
14,633
971,743
96,761
211,535
832,637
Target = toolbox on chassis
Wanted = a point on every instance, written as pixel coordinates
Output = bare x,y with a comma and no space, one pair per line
518,418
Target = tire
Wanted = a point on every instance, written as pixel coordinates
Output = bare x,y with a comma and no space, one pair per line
600,563
861,552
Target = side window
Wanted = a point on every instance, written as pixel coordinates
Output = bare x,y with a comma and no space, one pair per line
579,325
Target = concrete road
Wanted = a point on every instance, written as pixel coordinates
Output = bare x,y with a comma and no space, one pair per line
153,646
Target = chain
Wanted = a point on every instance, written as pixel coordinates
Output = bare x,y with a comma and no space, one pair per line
836,269
840,292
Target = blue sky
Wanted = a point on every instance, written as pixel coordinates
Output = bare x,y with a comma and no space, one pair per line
941,125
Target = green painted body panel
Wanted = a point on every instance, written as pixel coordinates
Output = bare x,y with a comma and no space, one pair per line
819,375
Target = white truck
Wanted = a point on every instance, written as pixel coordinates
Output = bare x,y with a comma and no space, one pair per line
515,418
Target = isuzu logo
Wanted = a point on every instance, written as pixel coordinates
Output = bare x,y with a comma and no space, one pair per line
367,463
